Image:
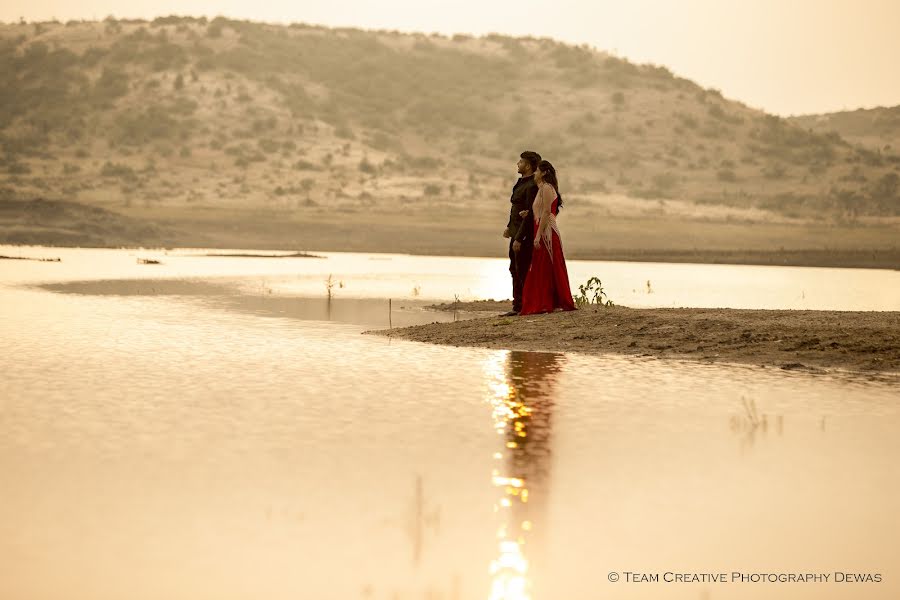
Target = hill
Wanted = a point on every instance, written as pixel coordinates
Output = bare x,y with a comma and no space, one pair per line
42,221
191,122
875,128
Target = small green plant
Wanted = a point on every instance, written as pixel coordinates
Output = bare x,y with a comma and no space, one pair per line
592,293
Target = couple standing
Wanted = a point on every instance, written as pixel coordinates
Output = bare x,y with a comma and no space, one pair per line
536,261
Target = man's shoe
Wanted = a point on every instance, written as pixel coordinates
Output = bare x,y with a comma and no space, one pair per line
512,313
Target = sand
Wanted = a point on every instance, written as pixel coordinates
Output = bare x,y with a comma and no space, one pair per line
815,341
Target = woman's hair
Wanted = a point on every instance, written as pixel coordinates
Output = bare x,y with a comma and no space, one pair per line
549,176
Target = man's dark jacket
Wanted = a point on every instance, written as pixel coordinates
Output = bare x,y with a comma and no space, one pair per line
524,192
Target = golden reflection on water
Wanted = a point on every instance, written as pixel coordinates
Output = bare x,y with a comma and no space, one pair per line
521,396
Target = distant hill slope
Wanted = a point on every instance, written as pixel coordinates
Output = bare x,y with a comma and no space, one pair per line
877,128
56,222
184,112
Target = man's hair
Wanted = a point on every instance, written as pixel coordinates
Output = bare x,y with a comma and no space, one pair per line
532,157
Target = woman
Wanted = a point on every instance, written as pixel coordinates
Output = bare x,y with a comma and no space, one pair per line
547,283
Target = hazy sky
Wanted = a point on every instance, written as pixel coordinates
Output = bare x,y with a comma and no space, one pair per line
785,56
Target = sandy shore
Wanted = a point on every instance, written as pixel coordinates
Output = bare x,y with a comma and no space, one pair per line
787,339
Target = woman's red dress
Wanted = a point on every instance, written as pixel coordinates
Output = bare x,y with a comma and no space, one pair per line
547,282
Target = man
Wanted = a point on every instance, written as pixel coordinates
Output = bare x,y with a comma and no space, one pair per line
520,229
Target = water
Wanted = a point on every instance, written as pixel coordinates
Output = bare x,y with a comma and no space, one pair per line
442,278
197,429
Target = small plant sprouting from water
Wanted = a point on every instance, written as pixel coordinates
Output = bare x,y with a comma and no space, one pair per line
592,293
750,423
751,419
330,283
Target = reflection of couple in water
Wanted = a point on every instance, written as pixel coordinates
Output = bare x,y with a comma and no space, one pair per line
536,261
523,415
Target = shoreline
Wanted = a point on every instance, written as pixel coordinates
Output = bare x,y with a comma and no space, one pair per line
612,238
883,259
810,341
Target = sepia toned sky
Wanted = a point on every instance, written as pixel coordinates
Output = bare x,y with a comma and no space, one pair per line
784,56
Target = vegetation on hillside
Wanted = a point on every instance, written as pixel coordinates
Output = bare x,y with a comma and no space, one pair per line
876,128
207,112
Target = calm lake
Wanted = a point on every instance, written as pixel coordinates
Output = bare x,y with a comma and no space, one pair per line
214,427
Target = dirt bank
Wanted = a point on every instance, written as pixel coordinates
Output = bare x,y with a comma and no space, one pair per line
788,339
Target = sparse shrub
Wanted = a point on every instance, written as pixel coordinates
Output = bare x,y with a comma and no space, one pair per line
153,123
855,174
344,132
726,175
775,171
664,183
887,187
366,167
687,120
304,165
93,55
111,26
872,158
263,125
597,185
177,20
716,112
421,162
592,293
817,168
245,154
713,130
182,106
179,83
612,129
268,146
112,84
15,167
118,171
431,189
